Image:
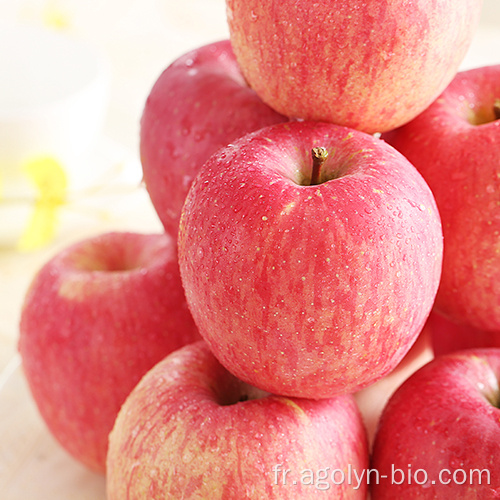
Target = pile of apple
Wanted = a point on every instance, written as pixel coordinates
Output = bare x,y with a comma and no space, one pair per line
329,187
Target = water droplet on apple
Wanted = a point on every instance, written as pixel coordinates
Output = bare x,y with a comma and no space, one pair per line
323,36
187,456
455,463
198,136
459,175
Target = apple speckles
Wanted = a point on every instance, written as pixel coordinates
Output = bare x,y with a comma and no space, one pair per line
315,270
288,208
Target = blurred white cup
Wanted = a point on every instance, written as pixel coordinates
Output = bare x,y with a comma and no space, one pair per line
53,103
53,100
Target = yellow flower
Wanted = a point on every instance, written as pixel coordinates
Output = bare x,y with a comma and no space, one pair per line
50,181
54,16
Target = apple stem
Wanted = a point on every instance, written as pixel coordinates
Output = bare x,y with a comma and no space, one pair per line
319,156
496,109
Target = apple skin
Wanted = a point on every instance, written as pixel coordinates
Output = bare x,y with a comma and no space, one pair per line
188,431
447,336
372,399
455,145
199,103
370,65
96,317
309,291
444,417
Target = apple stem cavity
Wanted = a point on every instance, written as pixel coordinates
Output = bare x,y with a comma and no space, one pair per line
496,109
494,400
319,156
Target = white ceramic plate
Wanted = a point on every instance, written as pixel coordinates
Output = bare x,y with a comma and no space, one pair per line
33,466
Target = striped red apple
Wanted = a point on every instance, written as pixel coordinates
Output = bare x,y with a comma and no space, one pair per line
97,316
198,104
372,65
310,279
192,430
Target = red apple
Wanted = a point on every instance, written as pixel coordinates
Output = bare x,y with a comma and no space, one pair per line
372,399
368,64
200,103
455,144
439,434
309,284
97,316
447,336
192,430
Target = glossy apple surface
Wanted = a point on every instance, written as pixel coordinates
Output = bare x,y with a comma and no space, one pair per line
309,290
439,434
371,65
200,103
455,144
97,316
447,336
192,430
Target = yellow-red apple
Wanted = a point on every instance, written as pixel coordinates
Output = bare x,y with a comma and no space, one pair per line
192,430
368,64
97,316
199,103
455,145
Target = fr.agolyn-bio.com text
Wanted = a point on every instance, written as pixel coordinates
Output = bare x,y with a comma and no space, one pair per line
325,478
